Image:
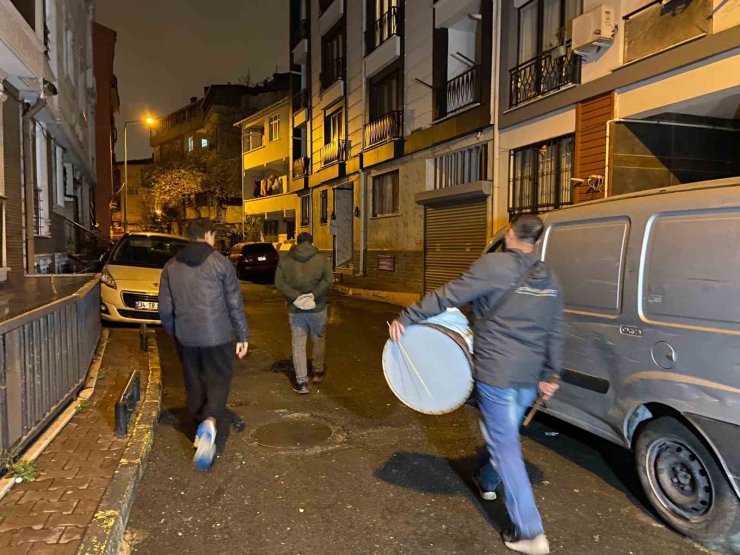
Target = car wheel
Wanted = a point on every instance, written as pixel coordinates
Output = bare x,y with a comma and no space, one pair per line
685,484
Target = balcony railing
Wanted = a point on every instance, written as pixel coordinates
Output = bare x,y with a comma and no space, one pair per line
332,72
300,100
383,129
459,93
546,73
301,167
334,152
384,28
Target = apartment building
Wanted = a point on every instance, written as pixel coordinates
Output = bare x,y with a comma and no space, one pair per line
140,214
392,125
606,98
107,105
47,129
268,190
206,124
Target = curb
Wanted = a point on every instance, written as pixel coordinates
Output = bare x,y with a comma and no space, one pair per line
104,536
391,297
32,452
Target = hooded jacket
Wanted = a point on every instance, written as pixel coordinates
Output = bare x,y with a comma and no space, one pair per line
521,342
303,271
200,303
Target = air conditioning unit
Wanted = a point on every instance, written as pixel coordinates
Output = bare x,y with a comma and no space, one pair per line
594,30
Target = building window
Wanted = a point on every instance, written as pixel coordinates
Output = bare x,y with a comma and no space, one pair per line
386,113
332,56
306,210
385,194
383,22
465,165
271,228
41,192
324,206
335,148
252,139
545,61
59,171
540,176
333,126
191,143
274,131
204,143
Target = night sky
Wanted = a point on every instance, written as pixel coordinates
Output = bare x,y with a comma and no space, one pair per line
168,50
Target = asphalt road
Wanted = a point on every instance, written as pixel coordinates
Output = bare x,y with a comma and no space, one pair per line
349,470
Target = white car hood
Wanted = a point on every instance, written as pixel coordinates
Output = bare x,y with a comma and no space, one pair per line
133,278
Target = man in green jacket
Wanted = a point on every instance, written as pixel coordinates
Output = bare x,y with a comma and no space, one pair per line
304,277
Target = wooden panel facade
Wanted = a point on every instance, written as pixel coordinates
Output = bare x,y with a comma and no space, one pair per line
592,116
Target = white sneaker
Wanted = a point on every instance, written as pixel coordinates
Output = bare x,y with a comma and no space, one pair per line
484,494
206,445
535,546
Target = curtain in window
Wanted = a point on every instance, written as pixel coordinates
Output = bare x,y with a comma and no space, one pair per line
551,28
528,32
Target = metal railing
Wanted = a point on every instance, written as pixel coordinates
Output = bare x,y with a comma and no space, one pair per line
45,355
385,128
301,167
382,29
459,92
300,100
333,71
335,152
546,73
465,165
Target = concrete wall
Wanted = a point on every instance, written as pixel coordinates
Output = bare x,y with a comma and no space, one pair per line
418,63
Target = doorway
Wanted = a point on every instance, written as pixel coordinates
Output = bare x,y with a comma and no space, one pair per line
343,210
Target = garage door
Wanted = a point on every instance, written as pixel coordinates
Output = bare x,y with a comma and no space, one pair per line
454,237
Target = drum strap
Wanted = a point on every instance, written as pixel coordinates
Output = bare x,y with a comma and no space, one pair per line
501,301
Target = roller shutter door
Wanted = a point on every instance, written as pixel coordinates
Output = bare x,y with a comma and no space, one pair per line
454,237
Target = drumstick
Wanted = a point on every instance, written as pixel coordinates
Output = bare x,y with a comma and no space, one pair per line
538,405
410,363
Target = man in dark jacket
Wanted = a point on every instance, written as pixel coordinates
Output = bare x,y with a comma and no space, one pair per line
517,349
304,277
201,306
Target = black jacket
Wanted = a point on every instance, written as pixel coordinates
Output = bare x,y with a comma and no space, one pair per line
200,303
304,270
519,344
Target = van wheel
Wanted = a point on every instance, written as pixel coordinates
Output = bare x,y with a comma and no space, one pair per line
685,485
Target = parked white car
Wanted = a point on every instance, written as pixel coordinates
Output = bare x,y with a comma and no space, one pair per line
130,279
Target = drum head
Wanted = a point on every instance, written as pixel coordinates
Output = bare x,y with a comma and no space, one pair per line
430,373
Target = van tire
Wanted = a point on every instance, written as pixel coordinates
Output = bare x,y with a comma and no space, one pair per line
685,484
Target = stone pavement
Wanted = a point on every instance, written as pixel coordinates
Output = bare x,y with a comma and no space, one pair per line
51,515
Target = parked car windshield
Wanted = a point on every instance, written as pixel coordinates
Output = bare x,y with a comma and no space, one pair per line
258,248
146,252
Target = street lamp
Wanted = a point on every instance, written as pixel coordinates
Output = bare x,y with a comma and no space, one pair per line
149,121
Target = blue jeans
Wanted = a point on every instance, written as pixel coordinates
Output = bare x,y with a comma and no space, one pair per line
502,411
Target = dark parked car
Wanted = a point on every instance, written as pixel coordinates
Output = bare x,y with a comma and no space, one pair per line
254,259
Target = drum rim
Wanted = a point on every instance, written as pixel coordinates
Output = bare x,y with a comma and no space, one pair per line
459,343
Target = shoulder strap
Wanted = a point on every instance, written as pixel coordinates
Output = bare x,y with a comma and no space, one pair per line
501,301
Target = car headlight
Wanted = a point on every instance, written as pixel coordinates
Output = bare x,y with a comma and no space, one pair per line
107,279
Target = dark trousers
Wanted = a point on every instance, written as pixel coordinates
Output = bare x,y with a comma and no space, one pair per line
208,372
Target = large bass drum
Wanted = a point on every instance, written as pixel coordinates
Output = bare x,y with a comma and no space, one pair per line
431,369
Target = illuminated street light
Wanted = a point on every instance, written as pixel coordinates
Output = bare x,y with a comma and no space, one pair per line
149,121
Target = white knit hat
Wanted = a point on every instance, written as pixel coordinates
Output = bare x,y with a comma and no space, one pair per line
305,302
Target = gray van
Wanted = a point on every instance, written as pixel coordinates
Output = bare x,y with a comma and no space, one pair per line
651,286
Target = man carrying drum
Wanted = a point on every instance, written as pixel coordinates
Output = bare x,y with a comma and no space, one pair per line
518,350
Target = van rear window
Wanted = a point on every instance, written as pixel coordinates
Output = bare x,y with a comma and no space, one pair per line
588,259
691,272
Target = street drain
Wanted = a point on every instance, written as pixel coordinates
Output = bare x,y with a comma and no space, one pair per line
293,434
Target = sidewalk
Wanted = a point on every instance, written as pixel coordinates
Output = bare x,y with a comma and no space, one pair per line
52,514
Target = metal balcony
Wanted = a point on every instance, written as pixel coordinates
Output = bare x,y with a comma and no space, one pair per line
385,27
546,73
459,93
384,129
334,152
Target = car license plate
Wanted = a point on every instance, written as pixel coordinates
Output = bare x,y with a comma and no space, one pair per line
261,258
147,305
